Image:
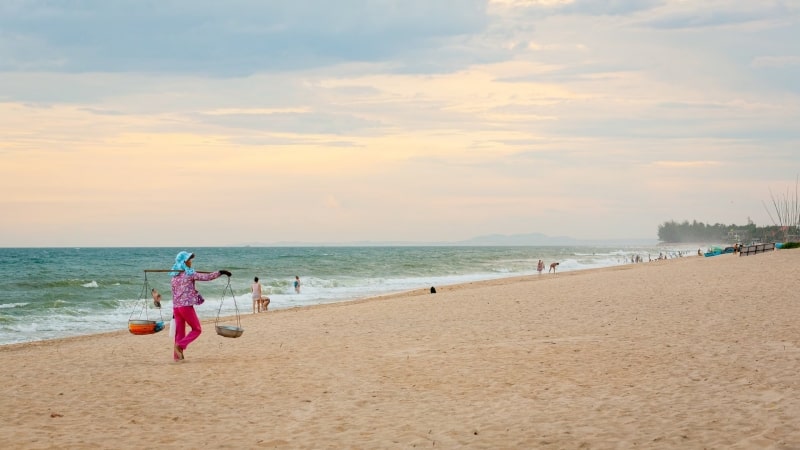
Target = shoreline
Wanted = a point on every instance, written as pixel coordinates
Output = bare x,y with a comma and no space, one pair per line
404,293
206,320
100,298
685,352
392,295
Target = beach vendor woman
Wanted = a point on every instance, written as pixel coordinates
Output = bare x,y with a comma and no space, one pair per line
184,297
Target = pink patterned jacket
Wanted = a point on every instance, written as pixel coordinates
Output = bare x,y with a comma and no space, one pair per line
183,291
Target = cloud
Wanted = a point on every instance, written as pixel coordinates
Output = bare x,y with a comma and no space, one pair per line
776,61
720,13
313,123
610,7
580,7
686,164
237,37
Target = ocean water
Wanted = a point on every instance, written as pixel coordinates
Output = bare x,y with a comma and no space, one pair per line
50,293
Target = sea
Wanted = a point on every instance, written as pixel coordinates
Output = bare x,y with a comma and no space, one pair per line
51,293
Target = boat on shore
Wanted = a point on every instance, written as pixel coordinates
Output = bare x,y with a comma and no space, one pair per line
716,251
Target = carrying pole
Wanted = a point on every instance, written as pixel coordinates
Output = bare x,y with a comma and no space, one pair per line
170,270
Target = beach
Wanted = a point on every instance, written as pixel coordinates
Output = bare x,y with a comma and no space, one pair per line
682,353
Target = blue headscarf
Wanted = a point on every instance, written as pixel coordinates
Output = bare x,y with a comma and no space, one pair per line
180,264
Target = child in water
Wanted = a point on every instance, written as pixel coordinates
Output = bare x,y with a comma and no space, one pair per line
156,298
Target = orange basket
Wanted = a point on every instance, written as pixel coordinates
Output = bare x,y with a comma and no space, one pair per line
144,326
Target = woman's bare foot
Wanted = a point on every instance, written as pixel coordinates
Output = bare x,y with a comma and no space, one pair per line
179,352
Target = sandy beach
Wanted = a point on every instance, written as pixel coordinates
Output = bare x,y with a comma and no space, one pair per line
684,353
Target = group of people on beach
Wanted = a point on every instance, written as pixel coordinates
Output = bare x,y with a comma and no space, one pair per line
185,296
540,267
261,301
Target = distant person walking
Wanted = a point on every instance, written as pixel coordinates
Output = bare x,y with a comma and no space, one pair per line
540,267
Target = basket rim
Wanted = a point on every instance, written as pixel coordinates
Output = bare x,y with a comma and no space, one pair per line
141,322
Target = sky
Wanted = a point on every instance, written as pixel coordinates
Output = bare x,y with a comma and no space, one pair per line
205,123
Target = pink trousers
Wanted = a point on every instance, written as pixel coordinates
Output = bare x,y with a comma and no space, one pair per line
185,315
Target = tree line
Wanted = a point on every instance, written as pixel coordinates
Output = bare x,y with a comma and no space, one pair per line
673,232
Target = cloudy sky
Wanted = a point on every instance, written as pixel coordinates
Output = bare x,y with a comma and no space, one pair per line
177,122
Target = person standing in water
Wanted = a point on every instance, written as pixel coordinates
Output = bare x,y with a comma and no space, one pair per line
540,267
297,284
184,298
259,301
